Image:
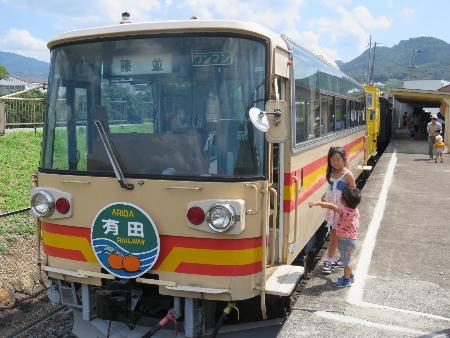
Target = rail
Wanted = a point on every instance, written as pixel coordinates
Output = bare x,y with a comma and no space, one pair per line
15,212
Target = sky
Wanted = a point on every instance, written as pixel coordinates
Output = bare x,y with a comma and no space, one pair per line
336,29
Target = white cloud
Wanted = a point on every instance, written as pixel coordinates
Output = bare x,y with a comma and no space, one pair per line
362,15
407,12
284,18
311,41
262,11
344,24
23,43
356,23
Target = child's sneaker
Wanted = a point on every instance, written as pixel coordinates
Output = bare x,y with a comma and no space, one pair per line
343,282
327,268
352,278
337,264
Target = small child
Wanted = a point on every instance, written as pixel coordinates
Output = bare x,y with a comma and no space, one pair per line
347,229
439,145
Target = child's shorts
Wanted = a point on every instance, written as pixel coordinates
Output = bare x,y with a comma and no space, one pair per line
346,247
439,152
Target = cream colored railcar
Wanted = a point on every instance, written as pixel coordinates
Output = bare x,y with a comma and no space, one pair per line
155,181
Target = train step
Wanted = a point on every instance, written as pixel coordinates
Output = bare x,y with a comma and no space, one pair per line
284,279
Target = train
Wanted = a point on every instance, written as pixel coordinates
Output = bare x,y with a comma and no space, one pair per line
177,161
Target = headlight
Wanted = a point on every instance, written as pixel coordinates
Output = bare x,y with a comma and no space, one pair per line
221,217
43,204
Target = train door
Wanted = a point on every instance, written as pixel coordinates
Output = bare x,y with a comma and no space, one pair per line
278,164
372,121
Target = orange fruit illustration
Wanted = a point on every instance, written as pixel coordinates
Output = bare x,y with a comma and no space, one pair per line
115,261
131,263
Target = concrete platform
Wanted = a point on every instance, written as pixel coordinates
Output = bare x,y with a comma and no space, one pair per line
402,263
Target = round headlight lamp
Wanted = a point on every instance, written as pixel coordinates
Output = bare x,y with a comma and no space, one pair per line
43,203
221,217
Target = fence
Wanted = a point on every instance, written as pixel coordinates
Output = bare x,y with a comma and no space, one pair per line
23,296
17,112
22,112
115,110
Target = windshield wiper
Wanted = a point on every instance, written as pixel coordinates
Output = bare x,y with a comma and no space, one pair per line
113,157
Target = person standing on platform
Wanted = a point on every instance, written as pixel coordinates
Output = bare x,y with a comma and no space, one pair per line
405,120
434,128
347,229
416,122
338,177
440,146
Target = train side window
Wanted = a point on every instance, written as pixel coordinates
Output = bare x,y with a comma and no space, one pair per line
353,114
317,129
339,115
308,122
348,115
302,107
362,114
369,99
324,114
331,114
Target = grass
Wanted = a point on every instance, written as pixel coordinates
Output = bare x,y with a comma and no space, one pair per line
19,158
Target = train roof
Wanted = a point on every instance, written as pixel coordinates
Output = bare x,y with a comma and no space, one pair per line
173,26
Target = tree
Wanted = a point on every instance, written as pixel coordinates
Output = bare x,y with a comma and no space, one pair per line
3,72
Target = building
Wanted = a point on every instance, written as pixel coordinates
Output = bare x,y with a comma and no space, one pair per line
13,84
425,84
445,89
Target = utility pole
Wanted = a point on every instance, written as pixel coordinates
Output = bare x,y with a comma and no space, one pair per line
412,63
373,62
368,62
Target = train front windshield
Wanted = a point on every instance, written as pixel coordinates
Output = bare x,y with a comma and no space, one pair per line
172,106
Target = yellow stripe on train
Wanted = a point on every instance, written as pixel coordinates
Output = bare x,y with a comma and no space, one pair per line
180,255
71,243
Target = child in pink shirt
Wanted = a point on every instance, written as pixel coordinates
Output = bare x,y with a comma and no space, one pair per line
347,229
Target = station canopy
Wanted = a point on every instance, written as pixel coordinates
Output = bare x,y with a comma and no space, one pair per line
425,98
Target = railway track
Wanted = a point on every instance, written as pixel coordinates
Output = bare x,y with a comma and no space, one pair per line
24,331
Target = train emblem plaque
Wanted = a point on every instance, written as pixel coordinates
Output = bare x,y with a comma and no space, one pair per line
125,240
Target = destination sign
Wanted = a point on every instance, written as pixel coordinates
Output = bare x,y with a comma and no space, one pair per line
141,64
212,59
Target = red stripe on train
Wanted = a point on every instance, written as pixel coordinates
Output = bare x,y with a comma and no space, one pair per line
67,230
64,253
170,242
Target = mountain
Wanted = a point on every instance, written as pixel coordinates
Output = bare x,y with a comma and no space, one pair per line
432,62
24,66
